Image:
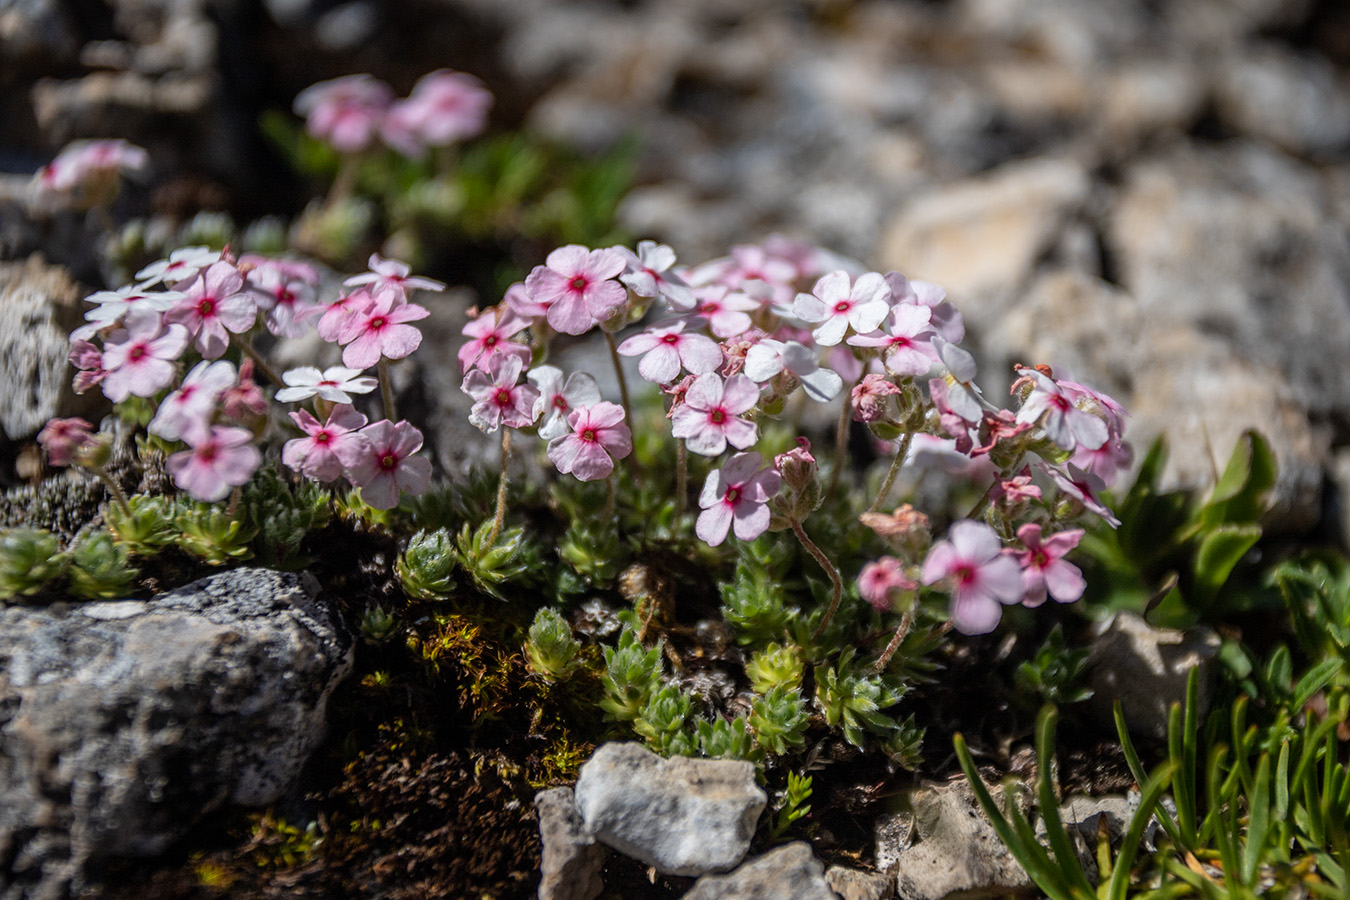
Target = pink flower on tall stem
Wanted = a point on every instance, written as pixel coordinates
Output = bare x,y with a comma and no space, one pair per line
736,496
498,399
64,438
333,316
186,413
346,112
491,335
139,357
221,459
904,340
881,580
598,437
710,417
445,107
380,330
980,576
667,348
383,465
576,286
212,305
316,454
1044,568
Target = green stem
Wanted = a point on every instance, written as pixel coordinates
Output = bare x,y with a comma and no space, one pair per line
344,183
501,487
836,582
113,488
894,470
840,442
608,514
681,478
258,362
623,392
986,498
387,393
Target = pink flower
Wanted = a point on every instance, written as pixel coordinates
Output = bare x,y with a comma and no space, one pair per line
598,432
709,418
905,340
519,300
346,112
89,171
880,580
335,384
1083,487
244,401
392,275
383,465
959,394
221,459
769,357
333,316
1054,410
139,357
445,107
869,398
667,348
1016,490
64,438
112,307
727,312
648,273
836,304
498,399
285,289
88,359
214,304
316,455
946,319
379,331
1106,461
575,286
492,332
736,496
557,400
186,413
1044,569
978,573
180,269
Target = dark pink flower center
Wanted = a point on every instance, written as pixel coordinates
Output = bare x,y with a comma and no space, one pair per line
322,437
378,322
206,307
671,339
137,353
560,402
502,397
843,306
717,416
588,435
285,296
1039,559
388,462
490,341
207,452
733,494
965,573
578,283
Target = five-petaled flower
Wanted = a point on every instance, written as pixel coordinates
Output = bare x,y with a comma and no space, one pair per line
980,576
383,465
598,433
498,399
492,332
216,461
316,455
381,331
138,358
836,302
737,496
577,288
667,348
881,580
1054,410
186,413
710,416
335,384
1044,568
214,304
557,398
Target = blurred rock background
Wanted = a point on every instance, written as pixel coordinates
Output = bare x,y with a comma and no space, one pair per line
1153,196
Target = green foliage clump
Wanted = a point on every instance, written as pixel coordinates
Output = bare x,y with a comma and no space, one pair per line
214,535
146,527
30,561
1054,675
722,738
776,665
282,515
551,650
853,700
632,675
492,560
100,568
796,803
426,568
779,720
662,721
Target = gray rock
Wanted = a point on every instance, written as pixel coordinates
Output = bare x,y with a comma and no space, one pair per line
572,860
120,726
1297,102
1085,817
789,873
852,884
953,848
36,304
683,816
1146,668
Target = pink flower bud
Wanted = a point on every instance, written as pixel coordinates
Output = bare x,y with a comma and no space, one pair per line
798,466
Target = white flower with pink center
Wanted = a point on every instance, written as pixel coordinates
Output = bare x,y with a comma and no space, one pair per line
185,415
1044,568
221,459
180,269
598,437
1054,410
649,273
665,349
727,312
383,465
316,455
138,359
498,399
491,335
837,302
392,275
380,330
214,304
557,399
979,575
735,497
710,416
346,112
1083,487
576,287
768,357
905,340
285,290
335,384
113,306
946,319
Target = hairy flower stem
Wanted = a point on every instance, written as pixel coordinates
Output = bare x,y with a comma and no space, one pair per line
623,392
608,514
903,629
345,182
987,497
681,478
836,582
261,364
894,470
113,487
840,443
387,395
501,486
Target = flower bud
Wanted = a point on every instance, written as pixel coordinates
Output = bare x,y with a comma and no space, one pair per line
801,493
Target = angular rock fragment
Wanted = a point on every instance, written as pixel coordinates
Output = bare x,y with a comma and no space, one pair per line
790,872
572,860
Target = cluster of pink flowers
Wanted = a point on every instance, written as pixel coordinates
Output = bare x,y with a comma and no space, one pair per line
197,305
735,338
352,113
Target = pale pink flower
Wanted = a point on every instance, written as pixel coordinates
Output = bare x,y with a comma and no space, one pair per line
1054,410
285,289
186,413
345,113
180,269
768,357
736,496
139,357
960,397
881,580
89,171
727,312
445,107
576,288
945,318
869,398
112,307
316,454
837,302
333,316
212,305
1044,569
491,333
335,384
904,340
519,300
980,576
1016,490
666,348
383,465
710,417
88,359
380,330
1106,461
64,438
1083,487
221,459
392,275
244,401
557,399
751,269
498,399
648,273
598,433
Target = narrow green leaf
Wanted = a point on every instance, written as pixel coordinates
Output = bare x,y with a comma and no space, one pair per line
1220,550
1168,823
1060,843
1313,681
1258,821
1149,799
